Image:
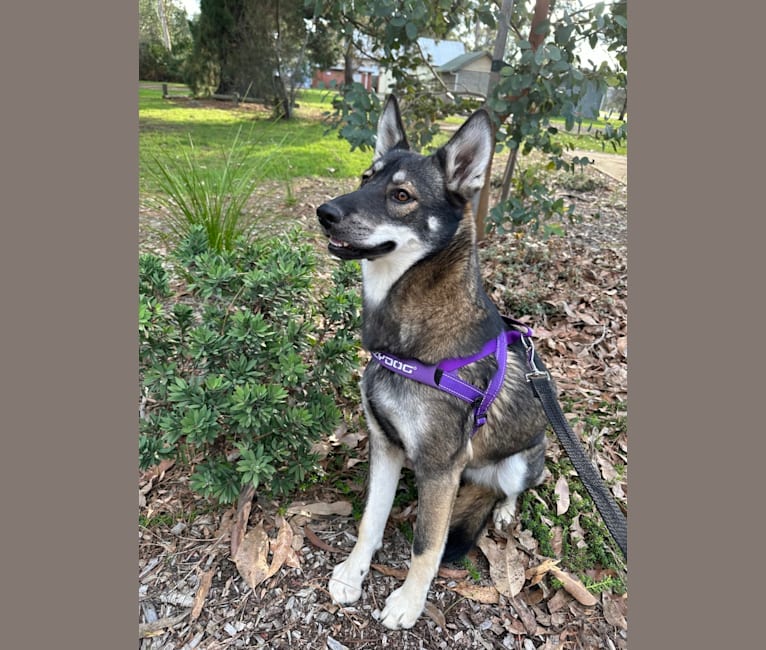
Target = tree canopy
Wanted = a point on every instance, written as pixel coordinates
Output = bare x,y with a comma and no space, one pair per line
266,49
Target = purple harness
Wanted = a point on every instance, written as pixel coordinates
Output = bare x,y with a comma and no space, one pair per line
443,375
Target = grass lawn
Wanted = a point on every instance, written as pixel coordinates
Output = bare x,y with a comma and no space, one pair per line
302,147
298,148
586,138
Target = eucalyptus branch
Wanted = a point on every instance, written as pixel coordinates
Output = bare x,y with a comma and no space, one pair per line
433,72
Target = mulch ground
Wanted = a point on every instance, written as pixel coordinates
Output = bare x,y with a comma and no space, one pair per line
191,594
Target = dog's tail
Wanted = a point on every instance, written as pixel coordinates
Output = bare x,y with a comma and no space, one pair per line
472,509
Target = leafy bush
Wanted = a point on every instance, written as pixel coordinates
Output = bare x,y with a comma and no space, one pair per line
242,368
201,74
530,205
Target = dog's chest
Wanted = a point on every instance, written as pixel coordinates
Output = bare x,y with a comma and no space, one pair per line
401,414
380,275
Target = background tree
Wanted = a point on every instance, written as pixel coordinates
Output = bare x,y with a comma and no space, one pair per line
258,48
387,32
164,40
539,75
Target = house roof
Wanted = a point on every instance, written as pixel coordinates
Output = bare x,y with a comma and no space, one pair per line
461,61
441,51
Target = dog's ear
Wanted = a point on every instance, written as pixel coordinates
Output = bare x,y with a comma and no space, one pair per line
390,130
467,155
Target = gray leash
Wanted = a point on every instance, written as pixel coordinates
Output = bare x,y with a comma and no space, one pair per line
613,517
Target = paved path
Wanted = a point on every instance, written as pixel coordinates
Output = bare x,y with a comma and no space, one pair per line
612,164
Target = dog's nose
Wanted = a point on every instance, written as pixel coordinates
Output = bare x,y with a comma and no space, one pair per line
329,214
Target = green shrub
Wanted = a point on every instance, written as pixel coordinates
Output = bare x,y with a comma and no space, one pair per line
530,205
243,367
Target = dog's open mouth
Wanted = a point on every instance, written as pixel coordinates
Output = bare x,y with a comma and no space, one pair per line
346,251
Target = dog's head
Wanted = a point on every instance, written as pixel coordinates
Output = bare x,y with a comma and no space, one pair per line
407,203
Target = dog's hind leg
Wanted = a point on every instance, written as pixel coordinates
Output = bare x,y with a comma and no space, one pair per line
515,474
386,462
436,495
510,477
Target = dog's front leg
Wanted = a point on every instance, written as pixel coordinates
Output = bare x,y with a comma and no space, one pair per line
436,496
386,462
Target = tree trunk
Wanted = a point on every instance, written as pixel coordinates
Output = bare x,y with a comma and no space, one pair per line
510,166
164,25
624,107
497,57
541,12
348,64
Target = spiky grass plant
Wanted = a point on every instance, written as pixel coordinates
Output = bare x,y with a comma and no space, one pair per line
194,192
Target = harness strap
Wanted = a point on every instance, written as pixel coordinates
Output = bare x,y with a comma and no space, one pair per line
443,375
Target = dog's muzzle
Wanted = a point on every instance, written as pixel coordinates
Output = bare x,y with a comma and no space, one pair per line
330,216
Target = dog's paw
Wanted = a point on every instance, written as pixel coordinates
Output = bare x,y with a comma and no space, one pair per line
401,611
346,583
504,514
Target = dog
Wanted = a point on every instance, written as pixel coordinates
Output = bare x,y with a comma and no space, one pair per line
411,224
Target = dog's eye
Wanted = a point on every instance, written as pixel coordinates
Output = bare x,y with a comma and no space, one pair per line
401,196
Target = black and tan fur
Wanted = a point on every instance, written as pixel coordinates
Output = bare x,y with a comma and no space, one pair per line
412,225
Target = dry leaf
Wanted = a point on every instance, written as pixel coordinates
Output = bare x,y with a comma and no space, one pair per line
576,533
526,615
514,569
608,472
280,548
225,524
297,537
487,595
505,566
158,627
537,573
575,588
452,574
252,556
527,540
158,471
320,509
622,346
558,601
614,611
399,574
562,492
314,539
435,614
557,540
293,559
199,597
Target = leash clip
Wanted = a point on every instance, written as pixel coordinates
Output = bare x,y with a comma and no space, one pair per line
536,373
